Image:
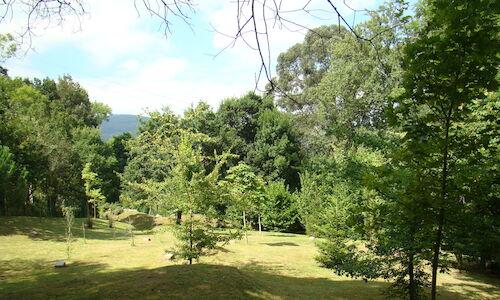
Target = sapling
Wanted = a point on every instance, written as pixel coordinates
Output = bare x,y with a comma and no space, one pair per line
83,232
130,229
69,214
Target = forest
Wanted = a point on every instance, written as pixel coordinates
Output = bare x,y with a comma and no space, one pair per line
384,148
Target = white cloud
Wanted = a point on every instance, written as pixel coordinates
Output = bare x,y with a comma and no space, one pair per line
109,32
141,70
282,35
156,85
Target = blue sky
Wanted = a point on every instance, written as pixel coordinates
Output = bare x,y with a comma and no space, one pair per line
122,58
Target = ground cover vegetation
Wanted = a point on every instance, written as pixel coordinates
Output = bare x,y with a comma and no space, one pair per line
384,148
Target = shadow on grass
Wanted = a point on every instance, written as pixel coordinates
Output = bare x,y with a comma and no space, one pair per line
280,244
473,284
53,229
283,234
96,281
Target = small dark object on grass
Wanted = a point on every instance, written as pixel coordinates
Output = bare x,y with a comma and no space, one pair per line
60,264
365,280
147,239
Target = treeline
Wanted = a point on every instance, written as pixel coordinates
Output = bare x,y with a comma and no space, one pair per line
386,147
49,131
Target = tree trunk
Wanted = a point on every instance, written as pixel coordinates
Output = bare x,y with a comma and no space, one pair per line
5,203
83,232
460,260
260,226
245,226
441,215
412,287
191,234
179,217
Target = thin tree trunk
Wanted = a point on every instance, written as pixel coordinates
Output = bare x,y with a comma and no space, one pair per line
179,217
5,203
412,286
83,231
245,226
441,215
260,226
191,234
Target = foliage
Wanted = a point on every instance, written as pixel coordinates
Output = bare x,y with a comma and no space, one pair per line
276,152
195,192
12,179
93,190
8,48
148,164
245,191
280,208
446,68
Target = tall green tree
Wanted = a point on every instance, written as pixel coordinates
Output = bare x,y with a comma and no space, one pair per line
276,152
447,65
149,159
237,120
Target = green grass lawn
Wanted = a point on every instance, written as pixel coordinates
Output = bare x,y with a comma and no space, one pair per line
271,266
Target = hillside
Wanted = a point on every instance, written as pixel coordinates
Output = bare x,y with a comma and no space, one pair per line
118,124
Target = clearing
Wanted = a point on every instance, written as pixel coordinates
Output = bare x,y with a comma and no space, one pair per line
105,265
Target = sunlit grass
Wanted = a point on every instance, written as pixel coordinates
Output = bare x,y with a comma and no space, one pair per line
270,266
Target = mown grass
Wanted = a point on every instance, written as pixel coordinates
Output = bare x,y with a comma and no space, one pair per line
270,266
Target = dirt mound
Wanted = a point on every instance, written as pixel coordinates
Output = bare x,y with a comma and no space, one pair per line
140,221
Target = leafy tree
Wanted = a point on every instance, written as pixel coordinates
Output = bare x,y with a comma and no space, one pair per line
344,82
149,160
12,179
93,189
196,192
90,148
304,65
237,120
474,228
276,152
280,208
246,191
446,67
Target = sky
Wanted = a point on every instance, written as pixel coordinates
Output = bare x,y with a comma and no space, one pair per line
121,55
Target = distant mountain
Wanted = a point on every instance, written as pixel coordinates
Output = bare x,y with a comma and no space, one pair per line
118,124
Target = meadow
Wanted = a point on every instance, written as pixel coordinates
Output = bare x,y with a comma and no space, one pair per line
106,266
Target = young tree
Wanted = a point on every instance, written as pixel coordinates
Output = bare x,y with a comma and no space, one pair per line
69,214
246,191
93,190
447,65
280,208
195,192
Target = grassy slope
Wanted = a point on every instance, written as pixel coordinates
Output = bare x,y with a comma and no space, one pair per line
271,266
